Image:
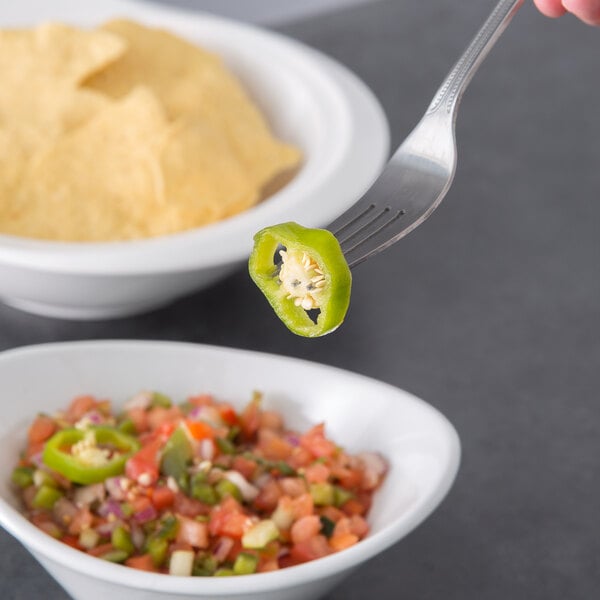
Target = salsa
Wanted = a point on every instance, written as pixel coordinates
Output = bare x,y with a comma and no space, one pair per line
193,489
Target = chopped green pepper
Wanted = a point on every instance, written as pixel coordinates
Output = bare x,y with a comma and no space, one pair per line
22,476
201,489
121,540
46,497
322,493
225,488
245,564
327,526
115,556
161,400
176,457
89,456
313,276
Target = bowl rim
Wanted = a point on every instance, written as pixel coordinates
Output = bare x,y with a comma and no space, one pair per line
230,240
53,550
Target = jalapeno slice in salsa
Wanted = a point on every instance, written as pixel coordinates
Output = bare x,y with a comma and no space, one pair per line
303,274
89,456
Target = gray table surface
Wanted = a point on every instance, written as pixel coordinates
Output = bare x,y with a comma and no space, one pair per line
490,311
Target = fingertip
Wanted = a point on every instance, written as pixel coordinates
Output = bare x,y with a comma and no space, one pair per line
551,8
586,10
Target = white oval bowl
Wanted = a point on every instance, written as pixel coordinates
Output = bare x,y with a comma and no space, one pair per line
362,414
309,100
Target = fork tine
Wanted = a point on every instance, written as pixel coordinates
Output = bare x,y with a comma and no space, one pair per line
363,227
367,232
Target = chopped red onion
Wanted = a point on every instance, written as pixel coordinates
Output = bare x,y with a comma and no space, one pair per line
248,491
106,529
36,460
111,507
292,439
64,511
137,536
222,548
142,400
207,449
209,414
94,417
89,494
147,514
114,486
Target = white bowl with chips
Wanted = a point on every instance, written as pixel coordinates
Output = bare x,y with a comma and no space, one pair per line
420,445
309,100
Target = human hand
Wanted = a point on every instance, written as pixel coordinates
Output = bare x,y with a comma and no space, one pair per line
586,10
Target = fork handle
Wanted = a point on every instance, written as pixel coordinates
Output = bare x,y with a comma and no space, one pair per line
450,93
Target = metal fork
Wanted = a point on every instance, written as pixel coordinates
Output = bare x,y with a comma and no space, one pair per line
420,172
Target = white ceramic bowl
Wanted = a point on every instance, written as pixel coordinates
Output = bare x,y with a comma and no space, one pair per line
360,413
309,99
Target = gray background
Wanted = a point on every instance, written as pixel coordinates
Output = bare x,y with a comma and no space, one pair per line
490,311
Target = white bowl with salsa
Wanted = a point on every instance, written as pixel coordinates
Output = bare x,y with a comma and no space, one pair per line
420,446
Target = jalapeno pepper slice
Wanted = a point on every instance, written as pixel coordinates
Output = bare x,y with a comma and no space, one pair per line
89,456
303,274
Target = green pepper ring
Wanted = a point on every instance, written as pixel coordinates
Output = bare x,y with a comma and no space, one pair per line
322,246
63,462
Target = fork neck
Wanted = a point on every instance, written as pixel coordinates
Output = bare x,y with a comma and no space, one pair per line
448,97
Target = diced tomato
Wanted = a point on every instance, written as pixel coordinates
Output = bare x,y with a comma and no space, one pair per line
189,507
332,513
348,478
192,532
343,541
305,528
228,519
316,443
41,429
317,473
269,419
180,546
300,457
273,446
140,504
200,430
293,486
72,541
201,400
34,449
250,418
79,406
244,465
159,415
145,462
358,526
104,407
164,431
83,519
264,566
228,414
302,506
311,549
142,563
354,507
162,497
268,496
139,417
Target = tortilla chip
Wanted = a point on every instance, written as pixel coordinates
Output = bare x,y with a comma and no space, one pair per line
193,83
204,180
99,182
125,133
